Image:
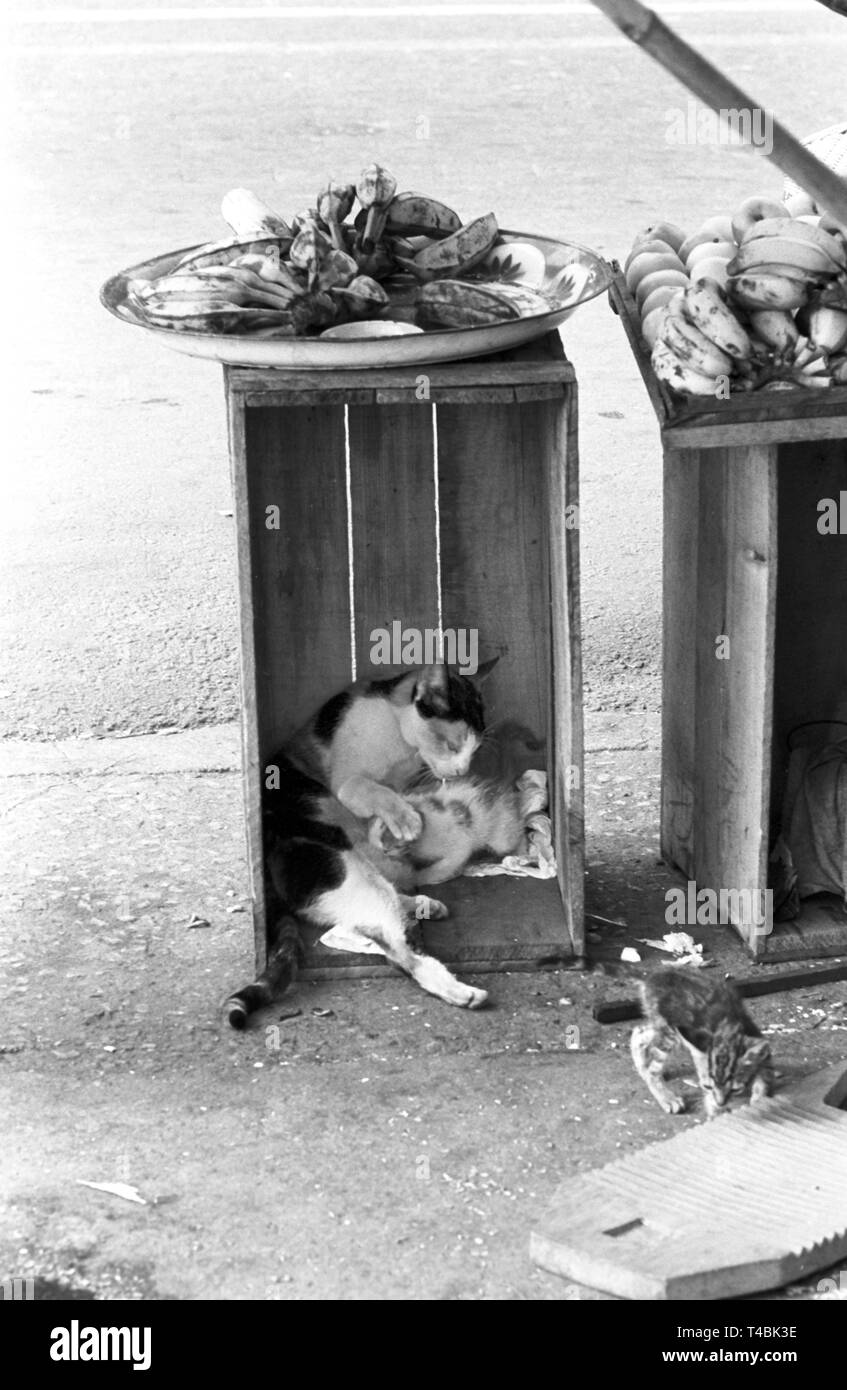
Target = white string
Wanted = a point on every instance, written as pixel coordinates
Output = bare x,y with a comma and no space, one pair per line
348,482
437,501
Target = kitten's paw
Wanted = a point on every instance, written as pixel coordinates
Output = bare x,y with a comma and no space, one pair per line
760,1091
673,1105
430,909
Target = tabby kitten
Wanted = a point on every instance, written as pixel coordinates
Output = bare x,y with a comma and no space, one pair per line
708,1018
347,767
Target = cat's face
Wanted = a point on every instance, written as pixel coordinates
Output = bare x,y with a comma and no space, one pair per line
444,721
733,1057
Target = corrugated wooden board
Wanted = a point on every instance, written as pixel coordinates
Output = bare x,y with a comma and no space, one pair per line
695,1216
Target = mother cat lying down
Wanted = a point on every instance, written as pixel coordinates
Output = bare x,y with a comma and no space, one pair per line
373,798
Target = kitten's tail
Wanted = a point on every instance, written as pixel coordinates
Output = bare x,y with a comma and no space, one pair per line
279,972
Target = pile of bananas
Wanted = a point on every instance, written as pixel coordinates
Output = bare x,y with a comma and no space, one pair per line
749,302
329,266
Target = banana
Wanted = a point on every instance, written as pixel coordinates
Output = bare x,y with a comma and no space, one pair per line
760,290
693,348
785,252
711,268
827,329
457,304
414,214
375,190
249,217
458,252
647,264
705,305
777,330
362,296
656,280
651,327
680,375
792,229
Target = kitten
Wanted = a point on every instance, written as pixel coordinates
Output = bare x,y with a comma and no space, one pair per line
709,1019
347,767
461,821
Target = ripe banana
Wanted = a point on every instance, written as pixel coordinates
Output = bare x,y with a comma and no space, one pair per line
457,304
362,296
800,257
651,326
250,218
760,290
692,346
777,330
680,375
827,329
705,305
458,252
414,214
375,190
792,229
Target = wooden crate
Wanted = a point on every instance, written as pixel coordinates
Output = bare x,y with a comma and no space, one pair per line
743,558
397,488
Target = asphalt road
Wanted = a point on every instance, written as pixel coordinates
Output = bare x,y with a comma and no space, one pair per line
127,129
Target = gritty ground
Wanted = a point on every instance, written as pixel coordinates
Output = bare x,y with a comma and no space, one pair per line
362,1140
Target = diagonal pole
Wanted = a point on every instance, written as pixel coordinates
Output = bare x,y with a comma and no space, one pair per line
644,27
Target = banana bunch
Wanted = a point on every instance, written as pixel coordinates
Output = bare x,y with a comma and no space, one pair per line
757,299
326,266
782,261
701,343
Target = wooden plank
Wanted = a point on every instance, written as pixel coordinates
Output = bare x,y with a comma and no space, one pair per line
540,361
250,757
774,431
680,534
748,986
495,539
734,673
493,545
299,571
394,531
494,924
565,763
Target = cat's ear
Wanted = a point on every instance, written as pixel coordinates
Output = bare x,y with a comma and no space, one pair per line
433,680
758,1050
432,688
485,669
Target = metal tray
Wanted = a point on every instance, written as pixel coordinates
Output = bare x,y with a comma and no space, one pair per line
590,275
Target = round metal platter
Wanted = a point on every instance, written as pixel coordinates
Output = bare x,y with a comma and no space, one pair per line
570,276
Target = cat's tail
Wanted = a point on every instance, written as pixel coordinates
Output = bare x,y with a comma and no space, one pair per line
279,972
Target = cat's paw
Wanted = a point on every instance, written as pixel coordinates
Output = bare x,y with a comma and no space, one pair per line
430,909
401,819
475,998
672,1105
